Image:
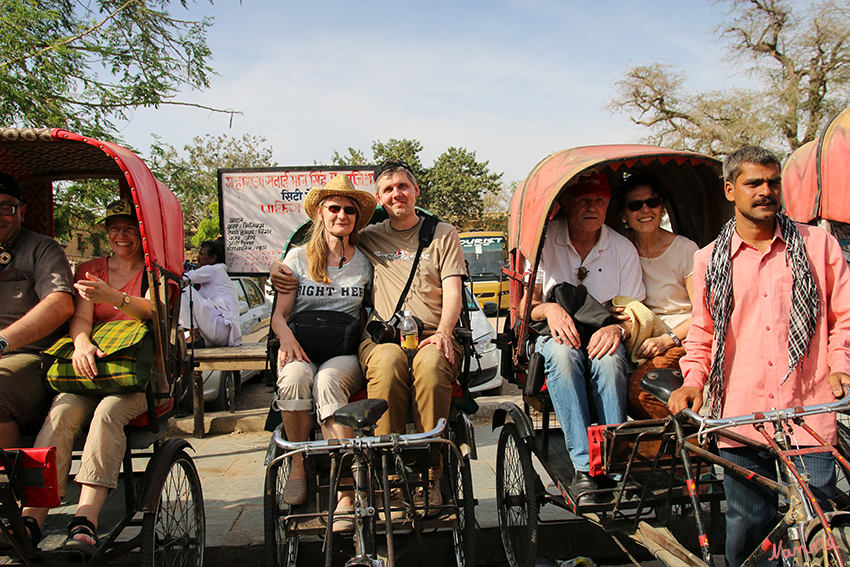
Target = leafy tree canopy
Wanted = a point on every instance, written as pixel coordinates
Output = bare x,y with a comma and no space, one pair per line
81,65
77,207
799,54
193,174
454,187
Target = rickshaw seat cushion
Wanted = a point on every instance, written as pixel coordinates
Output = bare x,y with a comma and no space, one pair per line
143,420
38,476
361,414
662,382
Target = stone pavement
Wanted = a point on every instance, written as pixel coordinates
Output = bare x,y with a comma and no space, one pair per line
230,463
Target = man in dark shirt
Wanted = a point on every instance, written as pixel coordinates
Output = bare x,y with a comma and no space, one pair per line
36,299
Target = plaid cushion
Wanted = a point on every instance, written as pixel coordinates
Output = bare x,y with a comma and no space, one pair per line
125,368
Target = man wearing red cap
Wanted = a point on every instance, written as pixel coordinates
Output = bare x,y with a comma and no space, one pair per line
581,250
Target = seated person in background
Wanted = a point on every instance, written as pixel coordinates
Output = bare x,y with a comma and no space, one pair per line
332,276
581,250
667,263
37,299
215,305
110,289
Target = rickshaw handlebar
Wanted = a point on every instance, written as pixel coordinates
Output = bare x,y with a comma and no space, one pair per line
380,442
707,424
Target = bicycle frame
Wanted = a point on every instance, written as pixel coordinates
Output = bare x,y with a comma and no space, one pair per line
804,514
364,451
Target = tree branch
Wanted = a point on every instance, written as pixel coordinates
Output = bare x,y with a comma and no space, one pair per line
68,40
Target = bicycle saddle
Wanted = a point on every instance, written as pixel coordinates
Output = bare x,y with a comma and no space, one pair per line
361,414
661,383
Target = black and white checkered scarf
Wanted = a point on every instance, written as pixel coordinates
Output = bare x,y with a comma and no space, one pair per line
805,306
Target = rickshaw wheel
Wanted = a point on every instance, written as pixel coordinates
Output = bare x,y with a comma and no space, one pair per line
822,556
516,498
174,534
281,551
464,534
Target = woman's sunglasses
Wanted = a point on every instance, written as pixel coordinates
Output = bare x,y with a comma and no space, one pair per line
637,204
335,209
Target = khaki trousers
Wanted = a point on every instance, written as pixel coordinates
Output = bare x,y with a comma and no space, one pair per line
423,383
105,443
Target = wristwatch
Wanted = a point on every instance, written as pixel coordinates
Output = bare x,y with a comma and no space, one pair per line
125,301
622,333
4,346
676,340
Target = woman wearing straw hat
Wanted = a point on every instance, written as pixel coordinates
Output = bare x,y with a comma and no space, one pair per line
332,276
662,321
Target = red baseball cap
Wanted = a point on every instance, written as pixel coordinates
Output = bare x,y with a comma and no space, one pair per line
594,184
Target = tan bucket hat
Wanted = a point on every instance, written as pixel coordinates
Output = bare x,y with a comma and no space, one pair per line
341,186
645,323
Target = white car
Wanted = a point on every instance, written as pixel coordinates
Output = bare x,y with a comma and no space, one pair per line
484,375
255,312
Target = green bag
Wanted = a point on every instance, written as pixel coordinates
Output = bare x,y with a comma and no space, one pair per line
125,368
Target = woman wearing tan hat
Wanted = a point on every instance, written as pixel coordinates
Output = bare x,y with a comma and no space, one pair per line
332,276
109,289
667,261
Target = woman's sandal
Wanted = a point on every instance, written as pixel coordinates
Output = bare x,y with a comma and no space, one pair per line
295,491
34,532
80,525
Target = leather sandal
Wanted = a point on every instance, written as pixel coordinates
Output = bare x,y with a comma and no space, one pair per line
34,532
295,491
80,525
344,519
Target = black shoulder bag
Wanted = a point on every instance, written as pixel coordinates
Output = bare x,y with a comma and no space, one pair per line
382,331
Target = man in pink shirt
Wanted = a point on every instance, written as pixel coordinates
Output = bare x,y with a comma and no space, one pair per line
775,333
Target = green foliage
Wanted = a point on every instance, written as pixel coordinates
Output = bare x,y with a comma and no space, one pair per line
82,65
77,207
354,157
193,174
457,184
208,228
454,188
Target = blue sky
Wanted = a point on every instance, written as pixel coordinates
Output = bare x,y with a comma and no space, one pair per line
511,80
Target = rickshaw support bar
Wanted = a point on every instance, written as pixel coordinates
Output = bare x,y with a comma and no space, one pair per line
661,543
746,473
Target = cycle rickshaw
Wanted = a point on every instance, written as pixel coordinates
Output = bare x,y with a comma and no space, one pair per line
163,522
666,472
377,465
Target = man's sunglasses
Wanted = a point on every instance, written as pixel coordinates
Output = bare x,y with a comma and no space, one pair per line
582,274
335,209
637,204
391,164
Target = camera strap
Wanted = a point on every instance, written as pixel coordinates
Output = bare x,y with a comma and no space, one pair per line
426,235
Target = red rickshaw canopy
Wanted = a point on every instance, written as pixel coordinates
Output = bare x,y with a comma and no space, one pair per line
816,178
691,183
37,157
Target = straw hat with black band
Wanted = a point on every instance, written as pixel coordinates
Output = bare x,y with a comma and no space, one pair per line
645,323
341,186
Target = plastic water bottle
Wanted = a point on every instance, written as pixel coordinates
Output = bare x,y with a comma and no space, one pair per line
409,332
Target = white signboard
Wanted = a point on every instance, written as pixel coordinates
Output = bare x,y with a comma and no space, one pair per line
261,208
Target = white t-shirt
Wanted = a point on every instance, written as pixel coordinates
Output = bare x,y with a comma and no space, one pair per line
664,279
345,294
612,264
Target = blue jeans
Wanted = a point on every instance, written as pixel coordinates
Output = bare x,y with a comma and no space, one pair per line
751,509
565,371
